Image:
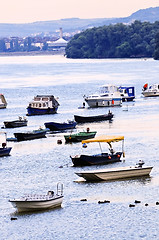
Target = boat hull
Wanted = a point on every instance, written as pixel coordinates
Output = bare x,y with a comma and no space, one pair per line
99,159
26,206
2,106
41,111
53,126
106,175
14,124
30,135
82,119
79,136
5,151
127,99
150,94
102,102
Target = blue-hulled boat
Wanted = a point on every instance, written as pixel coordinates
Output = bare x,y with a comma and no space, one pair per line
16,123
30,135
55,126
97,118
4,150
127,93
43,104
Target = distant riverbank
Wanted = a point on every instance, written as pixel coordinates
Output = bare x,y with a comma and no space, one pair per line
34,53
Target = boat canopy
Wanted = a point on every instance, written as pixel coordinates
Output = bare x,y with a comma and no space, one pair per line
104,138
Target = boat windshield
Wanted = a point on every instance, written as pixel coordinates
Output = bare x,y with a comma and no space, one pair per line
36,99
44,99
107,89
104,89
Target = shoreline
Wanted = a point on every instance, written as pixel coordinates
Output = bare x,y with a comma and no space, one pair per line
34,53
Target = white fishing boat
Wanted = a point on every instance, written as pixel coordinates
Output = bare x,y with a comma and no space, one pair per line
116,173
108,96
150,91
3,102
34,202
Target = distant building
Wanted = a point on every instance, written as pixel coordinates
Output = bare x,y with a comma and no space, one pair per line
7,44
60,44
38,44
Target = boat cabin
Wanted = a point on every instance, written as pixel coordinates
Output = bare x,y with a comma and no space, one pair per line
108,89
41,101
127,93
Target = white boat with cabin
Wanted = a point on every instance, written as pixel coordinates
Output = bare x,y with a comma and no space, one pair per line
116,173
150,91
43,104
35,202
108,96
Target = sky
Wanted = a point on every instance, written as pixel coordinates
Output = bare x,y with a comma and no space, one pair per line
26,11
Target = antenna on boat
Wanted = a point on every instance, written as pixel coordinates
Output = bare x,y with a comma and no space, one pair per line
123,149
100,147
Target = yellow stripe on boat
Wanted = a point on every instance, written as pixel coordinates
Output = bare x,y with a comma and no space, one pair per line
104,138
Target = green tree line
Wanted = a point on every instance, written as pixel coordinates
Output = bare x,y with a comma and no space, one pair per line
116,41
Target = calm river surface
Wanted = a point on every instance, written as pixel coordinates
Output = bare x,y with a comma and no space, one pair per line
36,166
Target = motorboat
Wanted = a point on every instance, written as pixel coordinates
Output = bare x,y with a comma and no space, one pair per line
55,126
97,118
3,102
127,93
79,136
150,91
4,150
30,135
35,202
116,173
43,104
108,96
21,122
103,157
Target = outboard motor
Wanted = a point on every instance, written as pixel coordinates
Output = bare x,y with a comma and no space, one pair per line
140,163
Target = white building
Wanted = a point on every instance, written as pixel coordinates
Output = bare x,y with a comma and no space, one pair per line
59,44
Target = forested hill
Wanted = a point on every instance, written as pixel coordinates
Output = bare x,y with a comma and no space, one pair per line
115,41
73,24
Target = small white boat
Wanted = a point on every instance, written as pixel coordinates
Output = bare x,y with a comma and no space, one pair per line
3,102
108,96
116,173
150,91
34,202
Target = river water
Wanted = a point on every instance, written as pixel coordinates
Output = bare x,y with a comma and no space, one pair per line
36,166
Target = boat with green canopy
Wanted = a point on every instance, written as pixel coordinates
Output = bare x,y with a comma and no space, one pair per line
103,157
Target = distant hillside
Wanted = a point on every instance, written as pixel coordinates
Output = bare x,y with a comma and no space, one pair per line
73,24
